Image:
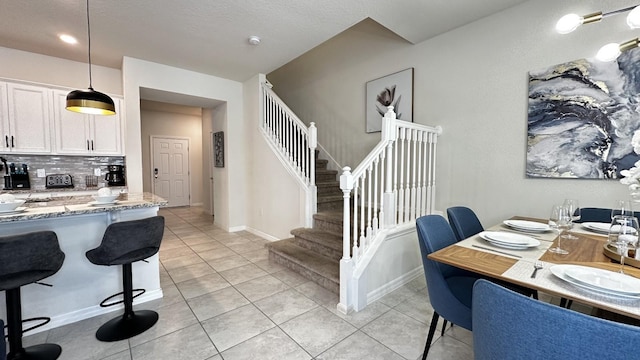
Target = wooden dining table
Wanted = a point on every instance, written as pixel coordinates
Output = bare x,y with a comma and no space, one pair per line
516,266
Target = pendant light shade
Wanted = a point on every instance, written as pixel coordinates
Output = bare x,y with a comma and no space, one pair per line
90,101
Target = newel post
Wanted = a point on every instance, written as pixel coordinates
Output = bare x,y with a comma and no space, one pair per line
389,134
346,263
313,201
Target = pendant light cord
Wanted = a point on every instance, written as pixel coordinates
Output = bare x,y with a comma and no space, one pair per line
89,46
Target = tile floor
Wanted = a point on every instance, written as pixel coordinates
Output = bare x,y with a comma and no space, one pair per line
223,299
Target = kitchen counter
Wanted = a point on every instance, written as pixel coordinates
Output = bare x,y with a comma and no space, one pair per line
69,205
79,286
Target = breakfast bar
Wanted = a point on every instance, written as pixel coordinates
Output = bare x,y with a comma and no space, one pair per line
79,222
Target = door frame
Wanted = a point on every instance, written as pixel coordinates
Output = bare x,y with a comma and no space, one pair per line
151,153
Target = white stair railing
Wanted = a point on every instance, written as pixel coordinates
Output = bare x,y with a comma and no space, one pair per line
293,142
392,186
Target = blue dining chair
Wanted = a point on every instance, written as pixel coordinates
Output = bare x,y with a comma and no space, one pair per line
591,214
449,288
3,343
507,325
464,222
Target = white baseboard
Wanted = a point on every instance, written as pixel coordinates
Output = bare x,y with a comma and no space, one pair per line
261,234
393,285
89,312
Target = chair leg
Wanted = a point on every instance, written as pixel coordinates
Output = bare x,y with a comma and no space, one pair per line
534,294
131,323
565,303
432,331
444,326
14,329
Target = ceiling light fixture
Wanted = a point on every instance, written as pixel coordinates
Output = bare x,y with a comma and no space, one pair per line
90,101
68,39
609,52
254,40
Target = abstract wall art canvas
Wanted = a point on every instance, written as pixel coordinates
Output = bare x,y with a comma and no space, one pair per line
218,149
582,116
395,90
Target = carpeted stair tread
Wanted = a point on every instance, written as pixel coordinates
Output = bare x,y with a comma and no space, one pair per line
322,237
317,268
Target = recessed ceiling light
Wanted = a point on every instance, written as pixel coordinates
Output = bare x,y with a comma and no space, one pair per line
68,39
254,40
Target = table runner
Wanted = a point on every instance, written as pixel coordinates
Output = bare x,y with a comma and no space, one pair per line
521,272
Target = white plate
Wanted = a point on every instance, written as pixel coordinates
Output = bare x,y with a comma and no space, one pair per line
605,279
560,272
511,241
96,203
14,211
525,225
597,226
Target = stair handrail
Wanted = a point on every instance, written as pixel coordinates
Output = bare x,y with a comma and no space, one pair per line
293,143
382,197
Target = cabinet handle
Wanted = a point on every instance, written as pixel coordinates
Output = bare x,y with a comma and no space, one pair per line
88,145
12,145
6,140
91,145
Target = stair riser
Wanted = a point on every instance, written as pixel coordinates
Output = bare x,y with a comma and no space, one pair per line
329,227
333,190
318,248
306,273
325,177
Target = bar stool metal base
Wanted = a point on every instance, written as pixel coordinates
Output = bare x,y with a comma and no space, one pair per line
37,352
127,326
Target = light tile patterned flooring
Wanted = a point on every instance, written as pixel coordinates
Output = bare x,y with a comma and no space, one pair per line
224,299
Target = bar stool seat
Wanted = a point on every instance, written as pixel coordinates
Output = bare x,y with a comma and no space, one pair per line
122,244
26,259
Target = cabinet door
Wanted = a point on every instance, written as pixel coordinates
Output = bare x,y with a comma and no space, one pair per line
4,119
71,128
29,119
106,134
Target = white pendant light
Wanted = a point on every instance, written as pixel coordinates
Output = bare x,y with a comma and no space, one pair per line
90,101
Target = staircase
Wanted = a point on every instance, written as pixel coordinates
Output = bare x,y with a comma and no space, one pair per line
315,253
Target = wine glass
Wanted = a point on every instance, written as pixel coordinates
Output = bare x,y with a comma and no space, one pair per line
623,234
621,207
573,207
560,220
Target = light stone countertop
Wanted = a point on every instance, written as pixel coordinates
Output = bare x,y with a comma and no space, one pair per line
78,205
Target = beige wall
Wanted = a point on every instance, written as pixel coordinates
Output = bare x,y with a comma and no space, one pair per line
161,119
473,82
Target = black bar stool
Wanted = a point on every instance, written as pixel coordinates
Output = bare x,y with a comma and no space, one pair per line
25,259
122,244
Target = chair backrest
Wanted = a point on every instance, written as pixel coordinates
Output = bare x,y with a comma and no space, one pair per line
591,214
29,257
128,241
464,222
507,325
3,344
434,233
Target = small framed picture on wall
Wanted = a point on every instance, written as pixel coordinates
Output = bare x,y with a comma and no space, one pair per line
218,149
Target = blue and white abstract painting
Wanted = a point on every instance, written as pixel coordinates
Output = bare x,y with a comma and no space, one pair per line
582,116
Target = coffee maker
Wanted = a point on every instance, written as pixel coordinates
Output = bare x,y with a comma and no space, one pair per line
115,175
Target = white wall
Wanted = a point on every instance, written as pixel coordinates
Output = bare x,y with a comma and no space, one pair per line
472,81
161,119
273,196
22,65
230,202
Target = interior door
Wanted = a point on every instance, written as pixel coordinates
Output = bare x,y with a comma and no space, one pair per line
170,170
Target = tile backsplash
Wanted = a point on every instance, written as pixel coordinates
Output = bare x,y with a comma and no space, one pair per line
79,167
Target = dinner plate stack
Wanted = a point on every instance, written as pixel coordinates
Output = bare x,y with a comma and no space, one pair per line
508,240
603,281
528,226
598,227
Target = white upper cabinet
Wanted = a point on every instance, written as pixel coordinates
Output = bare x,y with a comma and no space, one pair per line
82,134
26,125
